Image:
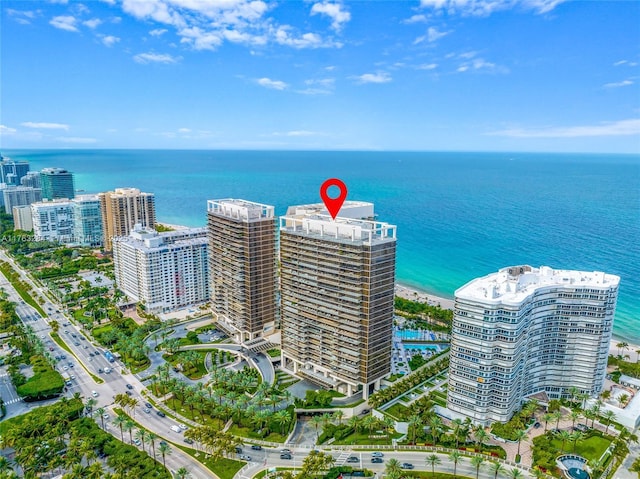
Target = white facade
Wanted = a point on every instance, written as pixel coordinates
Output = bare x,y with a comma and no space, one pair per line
350,209
166,271
22,218
20,196
525,331
53,220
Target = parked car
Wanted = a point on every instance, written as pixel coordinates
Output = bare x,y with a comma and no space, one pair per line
365,411
128,393
100,370
255,447
94,394
238,450
377,460
129,386
105,416
188,441
353,459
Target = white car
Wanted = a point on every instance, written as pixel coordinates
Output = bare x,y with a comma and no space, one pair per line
94,394
176,429
105,416
183,427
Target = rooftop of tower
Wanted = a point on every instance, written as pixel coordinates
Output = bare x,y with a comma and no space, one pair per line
348,230
238,209
514,284
350,209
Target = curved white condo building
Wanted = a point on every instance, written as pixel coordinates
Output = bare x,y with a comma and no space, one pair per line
525,333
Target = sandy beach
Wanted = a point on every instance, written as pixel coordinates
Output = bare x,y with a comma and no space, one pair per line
413,294
629,351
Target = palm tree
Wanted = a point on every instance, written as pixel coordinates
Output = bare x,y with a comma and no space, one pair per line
282,418
415,422
100,412
621,347
141,434
456,424
183,473
497,468
515,473
575,437
164,450
477,461
575,415
609,416
128,426
119,421
481,436
433,461
520,434
338,415
435,426
557,416
564,436
152,438
455,457
393,469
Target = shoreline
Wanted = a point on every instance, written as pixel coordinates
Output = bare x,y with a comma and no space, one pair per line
413,294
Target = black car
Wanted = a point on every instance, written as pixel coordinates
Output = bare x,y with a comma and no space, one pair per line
160,413
238,450
256,447
100,370
129,386
377,460
188,441
286,456
353,459
406,465
128,393
147,404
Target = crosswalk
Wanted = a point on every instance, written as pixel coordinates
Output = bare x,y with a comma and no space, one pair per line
342,458
12,401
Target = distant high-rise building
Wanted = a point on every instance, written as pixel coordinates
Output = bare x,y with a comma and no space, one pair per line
124,208
22,218
12,171
242,255
337,282
53,220
87,221
32,179
19,196
164,270
526,333
56,183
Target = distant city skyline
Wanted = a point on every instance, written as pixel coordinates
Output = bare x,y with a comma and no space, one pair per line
478,75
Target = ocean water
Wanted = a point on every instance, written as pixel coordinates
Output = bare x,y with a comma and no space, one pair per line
459,215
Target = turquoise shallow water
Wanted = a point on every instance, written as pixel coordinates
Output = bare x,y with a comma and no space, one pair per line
459,215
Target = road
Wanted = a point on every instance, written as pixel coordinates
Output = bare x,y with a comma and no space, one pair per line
271,458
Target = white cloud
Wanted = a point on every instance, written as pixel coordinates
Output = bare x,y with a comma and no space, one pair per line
615,128
207,24
64,22
150,57
379,77
22,16
433,35
75,139
322,86
483,8
335,11
416,19
93,23
109,40
157,32
481,65
46,126
272,84
298,133
5,130
427,66
184,130
625,62
618,84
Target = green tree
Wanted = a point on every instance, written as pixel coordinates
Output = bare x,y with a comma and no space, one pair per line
433,460
455,457
477,462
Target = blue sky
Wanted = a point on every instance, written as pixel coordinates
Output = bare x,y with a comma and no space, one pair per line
491,75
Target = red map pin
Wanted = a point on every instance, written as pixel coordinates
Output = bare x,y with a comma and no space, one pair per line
333,204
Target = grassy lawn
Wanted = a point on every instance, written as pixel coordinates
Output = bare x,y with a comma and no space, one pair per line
429,475
196,371
591,448
398,411
14,279
394,377
224,468
250,434
274,353
264,472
